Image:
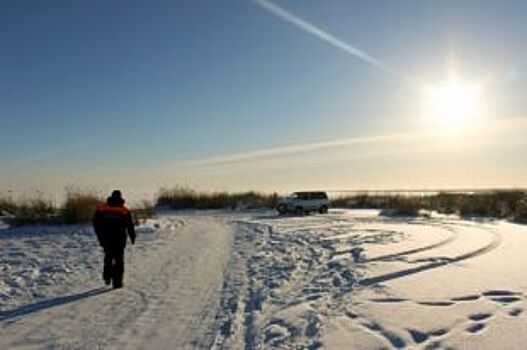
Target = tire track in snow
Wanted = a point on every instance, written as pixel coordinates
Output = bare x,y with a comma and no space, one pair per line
320,283
495,243
454,235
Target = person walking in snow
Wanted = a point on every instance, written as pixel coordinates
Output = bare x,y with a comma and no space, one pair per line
112,223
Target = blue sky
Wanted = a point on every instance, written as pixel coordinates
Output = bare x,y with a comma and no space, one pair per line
131,93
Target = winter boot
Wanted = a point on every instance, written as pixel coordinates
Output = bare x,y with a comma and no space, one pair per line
117,284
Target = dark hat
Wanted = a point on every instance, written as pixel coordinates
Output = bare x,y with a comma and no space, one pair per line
116,198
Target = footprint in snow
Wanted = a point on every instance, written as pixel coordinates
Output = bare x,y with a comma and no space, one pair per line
499,293
479,317
467,298
388,300
506,300
475,328
417,336
421,336
436,303
439,332
515,312
396,341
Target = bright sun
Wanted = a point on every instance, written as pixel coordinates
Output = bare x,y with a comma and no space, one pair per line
453,104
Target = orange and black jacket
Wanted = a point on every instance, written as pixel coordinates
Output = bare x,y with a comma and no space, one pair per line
112,223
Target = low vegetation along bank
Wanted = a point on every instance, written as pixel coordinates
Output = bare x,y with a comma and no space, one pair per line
78,208
185,198
492,204
511,205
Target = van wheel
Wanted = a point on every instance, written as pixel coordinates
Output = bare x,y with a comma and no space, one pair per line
323,210
299,211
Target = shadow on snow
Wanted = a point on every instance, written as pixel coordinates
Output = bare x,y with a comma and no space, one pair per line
50,303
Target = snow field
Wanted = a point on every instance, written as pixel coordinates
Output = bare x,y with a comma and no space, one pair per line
357,280
350,279
40,262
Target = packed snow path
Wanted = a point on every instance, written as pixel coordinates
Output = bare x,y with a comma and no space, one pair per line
170,299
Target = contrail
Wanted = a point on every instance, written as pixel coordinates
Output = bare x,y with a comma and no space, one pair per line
327,37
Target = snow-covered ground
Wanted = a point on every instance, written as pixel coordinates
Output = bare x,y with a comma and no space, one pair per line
347,280
357,280
52,296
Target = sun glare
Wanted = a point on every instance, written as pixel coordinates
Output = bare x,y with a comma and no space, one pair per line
453,104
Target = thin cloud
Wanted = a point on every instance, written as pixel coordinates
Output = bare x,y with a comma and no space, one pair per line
302,148
502,127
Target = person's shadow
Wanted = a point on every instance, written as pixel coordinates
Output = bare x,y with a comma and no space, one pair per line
50,303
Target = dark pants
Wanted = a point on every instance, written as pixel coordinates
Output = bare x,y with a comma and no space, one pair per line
114,266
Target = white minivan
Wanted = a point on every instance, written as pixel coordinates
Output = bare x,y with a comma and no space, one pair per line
303,203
